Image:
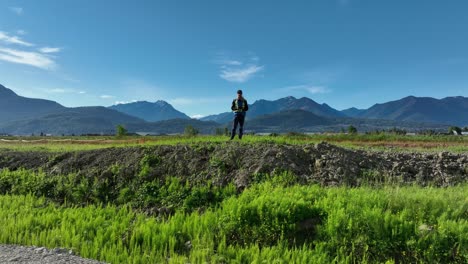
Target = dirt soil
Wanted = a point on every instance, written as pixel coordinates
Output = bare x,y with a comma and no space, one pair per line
222,163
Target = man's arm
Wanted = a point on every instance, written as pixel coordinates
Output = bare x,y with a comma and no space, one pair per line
246,108
233,107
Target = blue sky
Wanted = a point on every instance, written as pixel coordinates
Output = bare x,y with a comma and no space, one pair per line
196,54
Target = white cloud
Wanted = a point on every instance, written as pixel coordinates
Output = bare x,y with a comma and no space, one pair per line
106,96
223,58
17,10
317,89
254,58
20,55
237,70
229,62
63,91
57,90
49,50
21,32
124,102
6,38
308,88
197,116
26,57
240,74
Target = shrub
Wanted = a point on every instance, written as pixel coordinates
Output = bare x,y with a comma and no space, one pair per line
191,131
264,215
121,131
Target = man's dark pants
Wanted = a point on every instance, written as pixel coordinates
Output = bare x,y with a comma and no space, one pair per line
238,120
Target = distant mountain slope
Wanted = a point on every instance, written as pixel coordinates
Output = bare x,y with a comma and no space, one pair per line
14,107
262,107
304,121
289,120
173,126
151,112
81,120
353,112
219,118
25,116
449,110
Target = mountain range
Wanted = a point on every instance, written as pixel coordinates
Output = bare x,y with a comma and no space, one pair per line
449,110
24,116
304,121
151,112
263,107
79,120
15,107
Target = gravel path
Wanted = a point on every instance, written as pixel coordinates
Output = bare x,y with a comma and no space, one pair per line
13,254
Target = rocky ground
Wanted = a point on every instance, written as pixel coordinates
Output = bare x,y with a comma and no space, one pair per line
322,163
11,254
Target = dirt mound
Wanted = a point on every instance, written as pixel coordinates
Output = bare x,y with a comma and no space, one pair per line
222,163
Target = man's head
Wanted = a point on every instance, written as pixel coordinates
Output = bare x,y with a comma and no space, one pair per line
239,94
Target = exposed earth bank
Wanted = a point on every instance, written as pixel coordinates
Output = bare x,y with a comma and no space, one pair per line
223,163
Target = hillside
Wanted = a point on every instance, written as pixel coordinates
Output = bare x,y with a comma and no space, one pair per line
173,126
289,120
15,107
353,112
449,110
151,112
99,120
26,116
81,120
304,121
263,107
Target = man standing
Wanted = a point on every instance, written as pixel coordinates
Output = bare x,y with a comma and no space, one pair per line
239,106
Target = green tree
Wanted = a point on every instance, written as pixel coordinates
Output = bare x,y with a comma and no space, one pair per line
121,131
191,131
352,129
456,129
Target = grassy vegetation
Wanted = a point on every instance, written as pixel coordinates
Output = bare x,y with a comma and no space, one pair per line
391,142
145,218
138,192
268,223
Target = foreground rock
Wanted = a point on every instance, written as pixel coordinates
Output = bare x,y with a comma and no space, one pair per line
39,255
221,164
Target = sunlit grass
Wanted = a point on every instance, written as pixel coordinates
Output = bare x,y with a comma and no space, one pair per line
331,225
379,142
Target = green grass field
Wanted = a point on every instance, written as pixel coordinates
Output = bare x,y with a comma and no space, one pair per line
380,142
268,223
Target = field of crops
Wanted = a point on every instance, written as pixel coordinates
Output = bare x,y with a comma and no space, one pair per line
150,218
